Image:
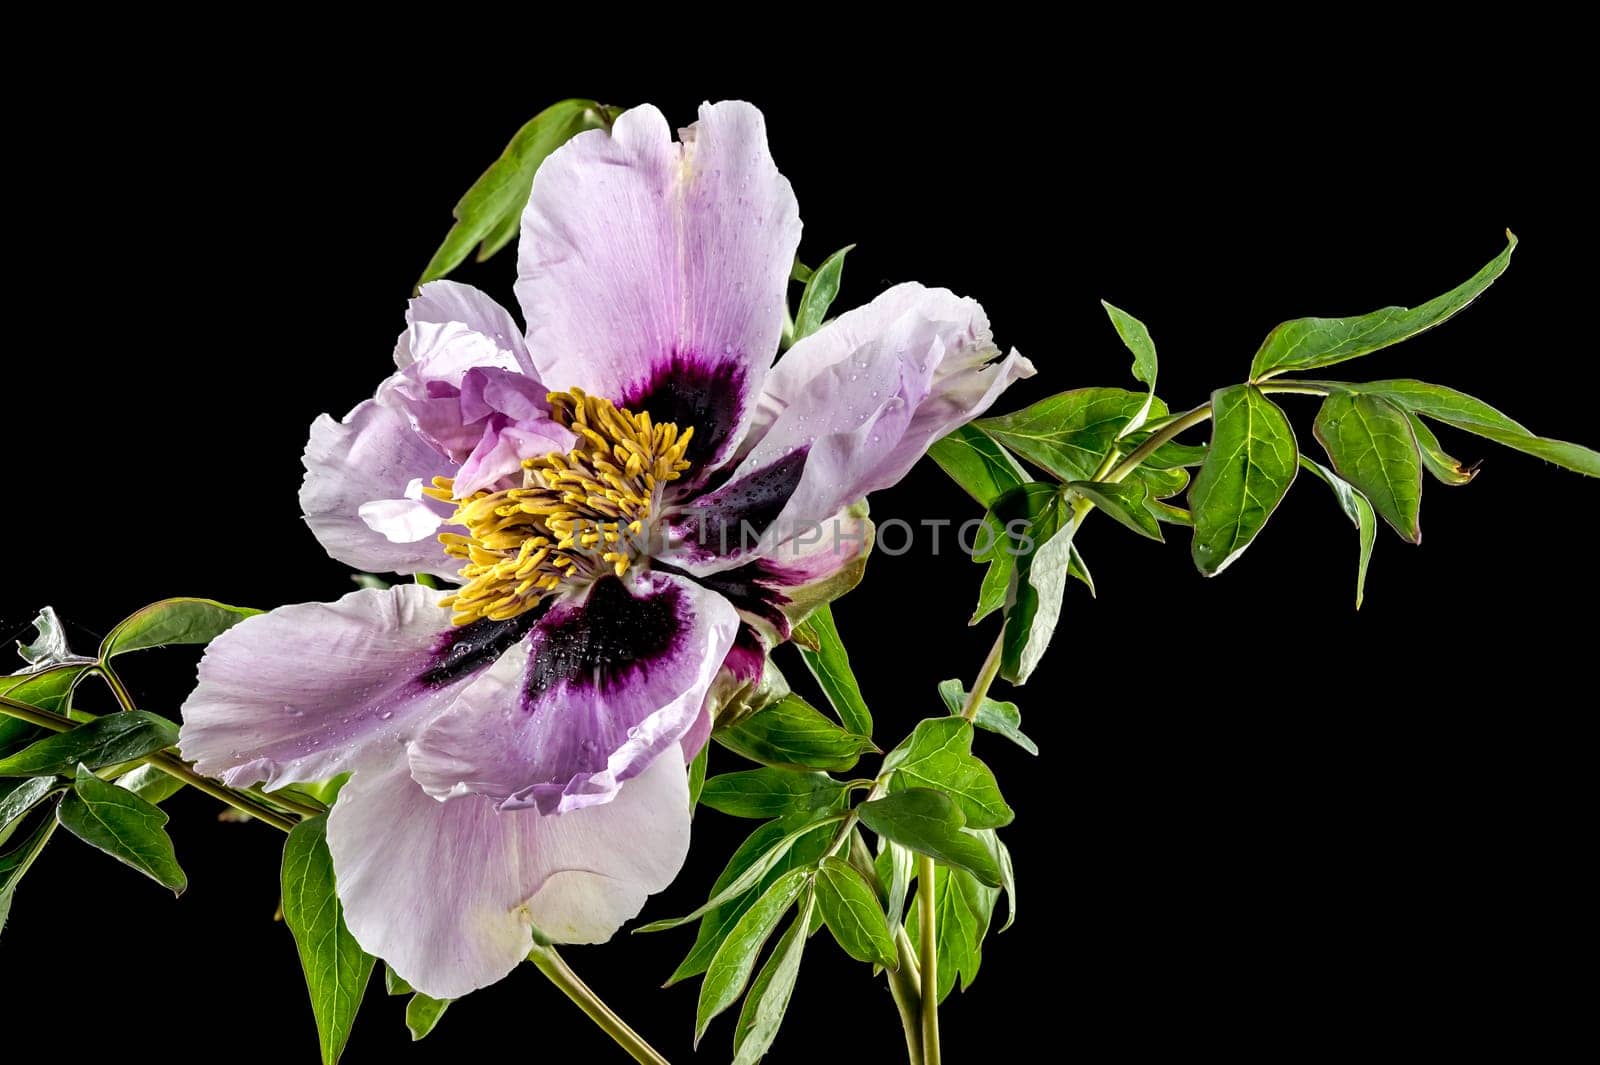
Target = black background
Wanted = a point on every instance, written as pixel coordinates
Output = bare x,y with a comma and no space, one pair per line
1261,824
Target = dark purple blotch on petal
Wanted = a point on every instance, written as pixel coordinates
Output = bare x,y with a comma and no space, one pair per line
687,389
748,655
604,641
465,649
731,520
755,588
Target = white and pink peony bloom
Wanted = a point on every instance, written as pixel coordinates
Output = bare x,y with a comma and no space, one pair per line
518,745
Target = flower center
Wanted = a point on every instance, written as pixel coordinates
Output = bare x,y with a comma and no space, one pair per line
576,517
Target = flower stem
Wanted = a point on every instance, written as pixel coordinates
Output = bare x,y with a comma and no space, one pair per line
928,929
160,759
559,973
1161,436
903,982
986,676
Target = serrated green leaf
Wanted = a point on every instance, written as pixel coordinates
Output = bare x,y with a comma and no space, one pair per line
1307,343
487,214
770,792
14,864
830,664
717,921
1360,513
1068,434
1248,470
1435,459
1136,336
1126,502
930,823
150,784
735,960
172,621
1001,718
794,734
769,996
17,797
984,470
122,825
1458,409
747,877
1371,444
422,1013
336,968
821,289
108,740
962,909
851,911
939,756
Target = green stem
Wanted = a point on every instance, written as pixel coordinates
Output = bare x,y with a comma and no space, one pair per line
559,973
160,759
114,682
1161,436
986,676
903,982
928,933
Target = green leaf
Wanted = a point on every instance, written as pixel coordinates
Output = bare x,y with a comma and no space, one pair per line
821,288
489,211
1125,501
1435,459
930,823
747,878
1069,433
720,919
984,470
1169,456
394,983
123,825
422,1013
1247,471
1372,447
172,621
48,689
770,792
897,868
1079,569
962,911
792,733
830,664
697,776
336,968
1008,874
1037,592
108,740
735,960
17,797
769,996
1137,338
14,865
1003,719
1307,343
1475,416
799,271
850,910
1360,513
150,784
939,756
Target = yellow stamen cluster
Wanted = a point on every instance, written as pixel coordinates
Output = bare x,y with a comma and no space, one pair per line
576,515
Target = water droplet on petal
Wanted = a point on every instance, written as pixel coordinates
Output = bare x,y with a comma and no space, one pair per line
386,715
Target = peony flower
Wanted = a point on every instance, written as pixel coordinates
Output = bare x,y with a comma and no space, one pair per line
518,744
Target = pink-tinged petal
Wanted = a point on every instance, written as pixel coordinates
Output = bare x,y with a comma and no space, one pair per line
654,273
448,892
403,521
312,690
611,682
848,411
371,456
498,457
450,308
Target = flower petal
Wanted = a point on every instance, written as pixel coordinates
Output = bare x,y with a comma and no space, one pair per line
451,308
611,683
655,273
372,456
315,689
446,892
848,411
